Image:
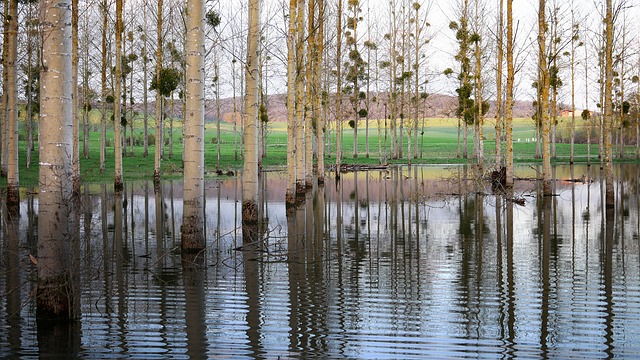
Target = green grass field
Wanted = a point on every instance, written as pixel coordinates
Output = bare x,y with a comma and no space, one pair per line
438,144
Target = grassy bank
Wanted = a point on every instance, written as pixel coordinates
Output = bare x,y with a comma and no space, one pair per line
437,144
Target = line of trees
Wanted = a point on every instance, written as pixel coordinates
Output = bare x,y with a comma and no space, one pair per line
347,61
339,67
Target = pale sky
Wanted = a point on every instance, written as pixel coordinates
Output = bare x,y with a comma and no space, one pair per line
442,47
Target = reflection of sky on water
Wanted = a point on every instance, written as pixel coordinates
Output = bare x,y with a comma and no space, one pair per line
420,278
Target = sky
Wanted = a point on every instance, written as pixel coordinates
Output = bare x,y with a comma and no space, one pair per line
440,51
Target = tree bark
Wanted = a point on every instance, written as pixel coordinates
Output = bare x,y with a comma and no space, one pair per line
500,56
74,74
117,98
338,116
13,180
159,143
291,99
608,105
509,98
320,131
543,82
54,291
193,236
103,83
145,82
250,209
301,130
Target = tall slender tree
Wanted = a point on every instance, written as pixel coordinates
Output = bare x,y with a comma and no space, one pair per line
608,104
103,86
250,209
54,292
159,143
193,237
499,70
509,98
300,104
480,106
543,85
117,99
13,181
311,90
338,98
145,80
574,44
291,99
74,74
317,74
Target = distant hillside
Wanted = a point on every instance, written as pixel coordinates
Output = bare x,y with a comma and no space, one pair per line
436,106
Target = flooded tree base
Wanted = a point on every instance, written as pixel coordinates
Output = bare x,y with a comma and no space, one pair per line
290,198
249,212
54,299
193,239
13,201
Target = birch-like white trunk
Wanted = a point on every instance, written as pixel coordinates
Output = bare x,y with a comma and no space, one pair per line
54,293
13,181
193,238
250,171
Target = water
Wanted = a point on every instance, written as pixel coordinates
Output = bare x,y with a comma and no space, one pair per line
390,264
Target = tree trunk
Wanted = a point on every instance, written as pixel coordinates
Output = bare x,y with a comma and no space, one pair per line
117,98
193,236
479,115
145,82
30,79
317,81
218,110
85,90
311,91
291,100
416,94
103,83
500,56
608,106
159,126
543,81
250,209
301,130
54,291
74,74
4,139
509,98
338,90
13,181
573,85
171,116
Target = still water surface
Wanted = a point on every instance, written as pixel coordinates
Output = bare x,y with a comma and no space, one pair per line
389,264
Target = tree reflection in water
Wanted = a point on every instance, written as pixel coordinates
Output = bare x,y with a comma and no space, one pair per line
398,263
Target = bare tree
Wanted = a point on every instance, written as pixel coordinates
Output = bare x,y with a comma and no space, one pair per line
74,74
543,85
499,74
193,237
317,81
117,98
159,123
608,105
54,292
291,99
509,98
13,180
250,209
